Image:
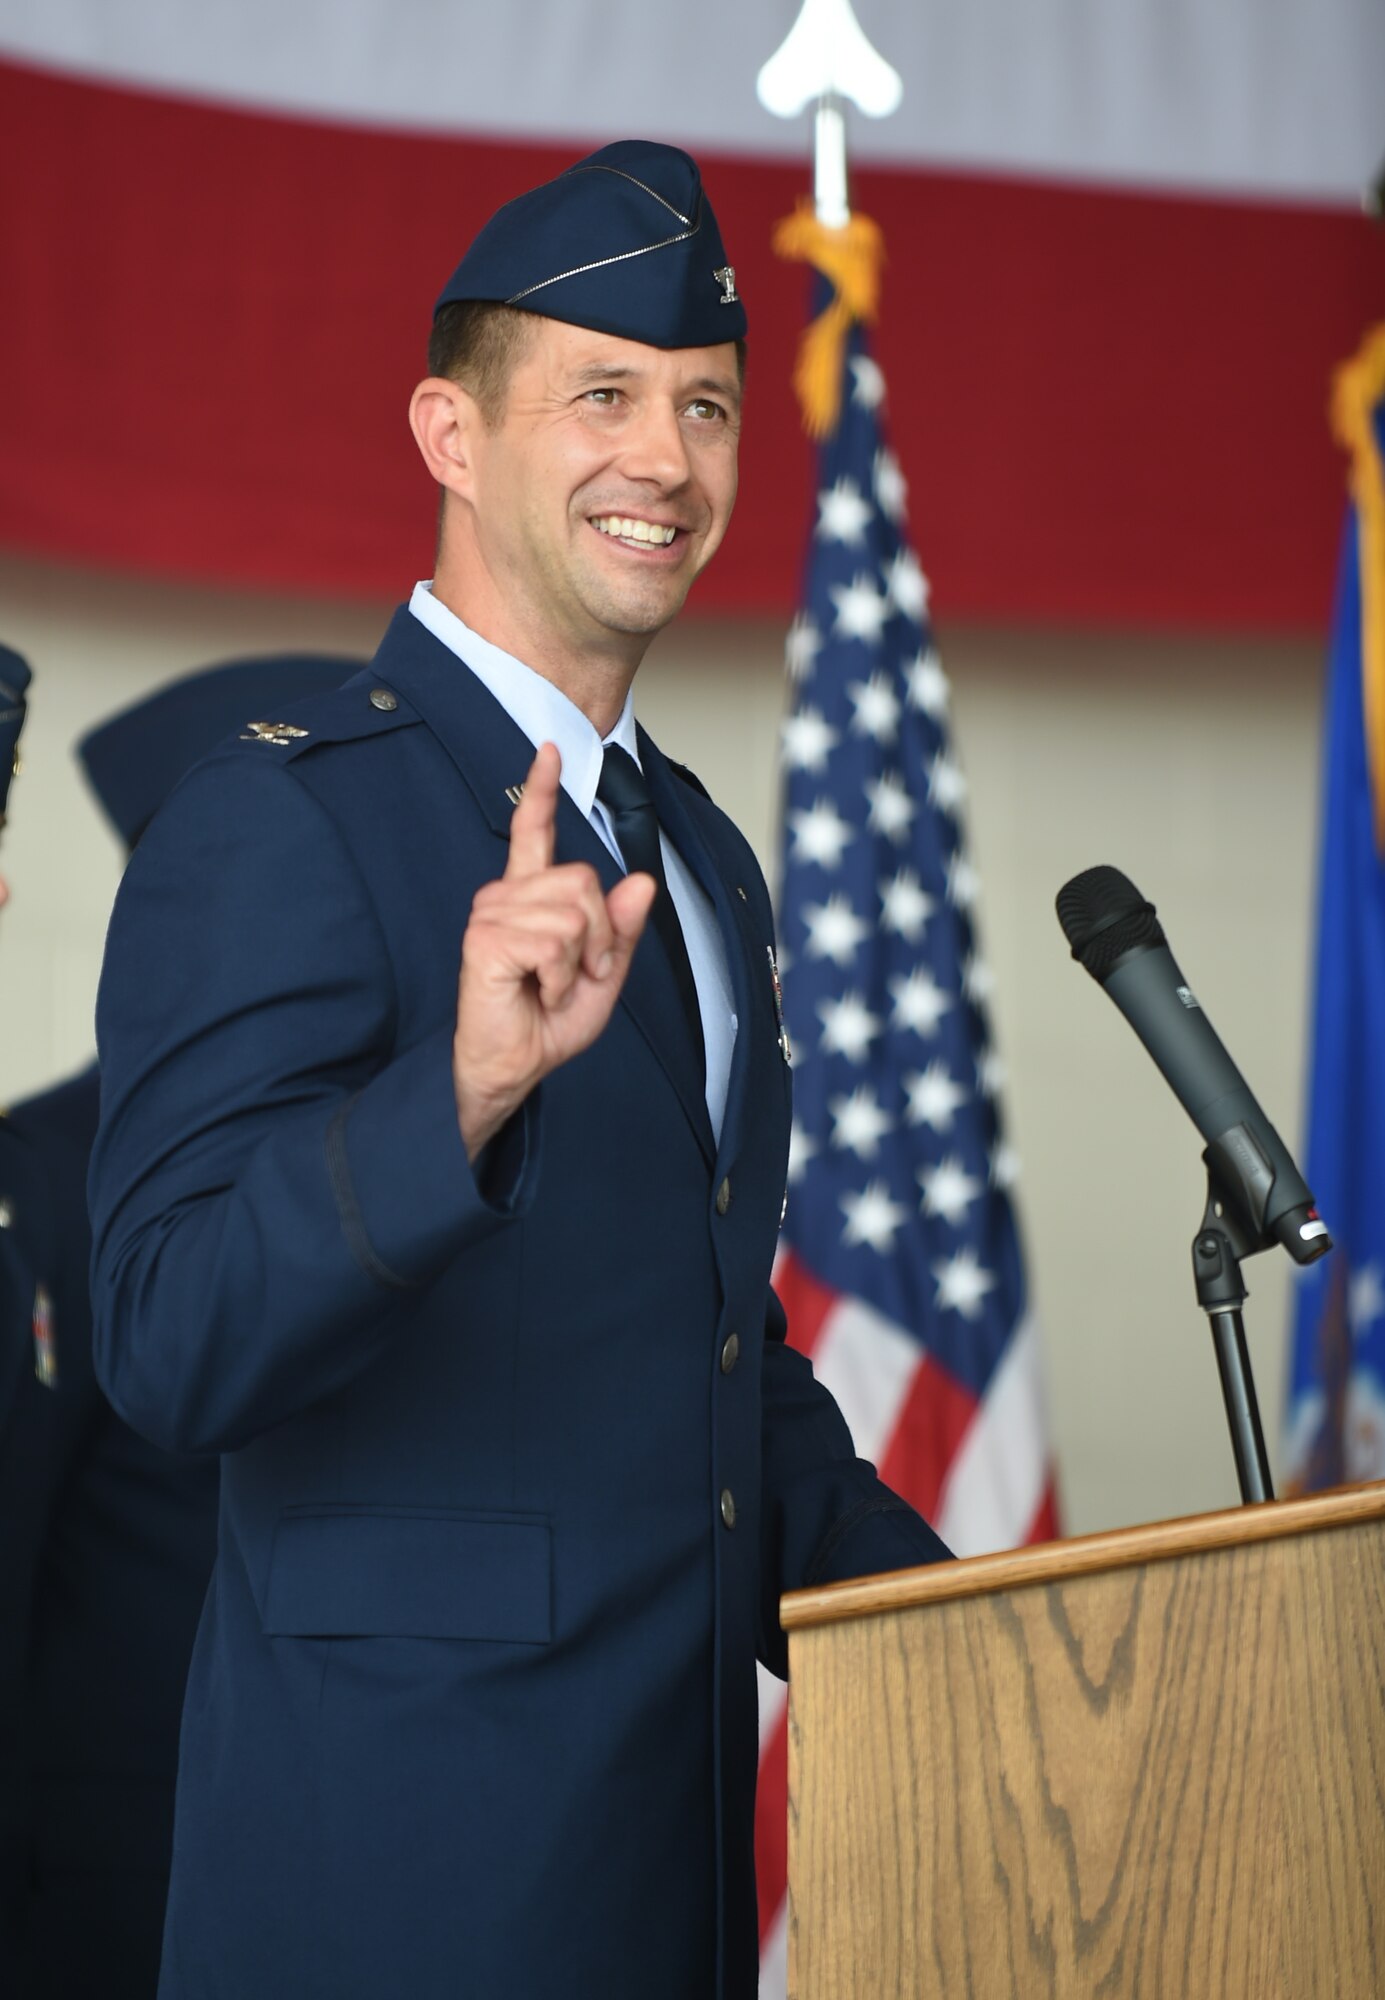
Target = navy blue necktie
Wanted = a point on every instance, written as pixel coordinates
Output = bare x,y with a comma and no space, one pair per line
624,792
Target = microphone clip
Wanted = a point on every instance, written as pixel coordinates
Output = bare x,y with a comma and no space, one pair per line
1240,1183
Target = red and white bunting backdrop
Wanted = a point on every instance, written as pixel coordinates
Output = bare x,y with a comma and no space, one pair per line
1123,257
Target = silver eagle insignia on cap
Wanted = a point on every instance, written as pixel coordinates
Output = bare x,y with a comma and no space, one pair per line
726,278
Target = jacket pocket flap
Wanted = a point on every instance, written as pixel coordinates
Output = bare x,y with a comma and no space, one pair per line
422,1573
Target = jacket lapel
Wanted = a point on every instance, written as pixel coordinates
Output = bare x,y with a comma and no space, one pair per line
493,754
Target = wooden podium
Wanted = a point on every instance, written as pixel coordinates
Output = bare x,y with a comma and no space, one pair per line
1149,1763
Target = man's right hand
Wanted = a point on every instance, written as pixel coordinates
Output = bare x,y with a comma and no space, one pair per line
543,960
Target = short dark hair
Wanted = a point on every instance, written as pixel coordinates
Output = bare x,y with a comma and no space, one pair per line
477,342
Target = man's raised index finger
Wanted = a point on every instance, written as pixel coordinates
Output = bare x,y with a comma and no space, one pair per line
531,825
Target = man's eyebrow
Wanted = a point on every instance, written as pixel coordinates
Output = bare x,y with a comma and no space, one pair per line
600,371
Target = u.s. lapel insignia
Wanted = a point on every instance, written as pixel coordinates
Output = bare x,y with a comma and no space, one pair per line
514,793
785,1045
272,732
45,1346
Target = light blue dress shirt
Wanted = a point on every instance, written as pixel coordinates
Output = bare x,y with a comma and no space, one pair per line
545,715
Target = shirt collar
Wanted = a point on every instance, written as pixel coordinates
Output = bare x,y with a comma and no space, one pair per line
534,704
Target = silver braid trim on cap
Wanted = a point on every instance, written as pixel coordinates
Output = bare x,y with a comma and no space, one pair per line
622,256
635,181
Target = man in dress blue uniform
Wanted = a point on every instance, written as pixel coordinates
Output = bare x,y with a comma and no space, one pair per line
107,1541
467,1277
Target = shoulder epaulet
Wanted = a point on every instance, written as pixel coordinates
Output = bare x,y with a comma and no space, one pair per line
689,778
363,707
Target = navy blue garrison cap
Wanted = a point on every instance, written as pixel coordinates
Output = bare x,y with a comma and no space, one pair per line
134,760
624,242
14,678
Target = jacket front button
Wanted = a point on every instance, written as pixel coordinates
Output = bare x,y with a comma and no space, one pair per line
383,699
6,1213
730,1353
728,1507
724,1196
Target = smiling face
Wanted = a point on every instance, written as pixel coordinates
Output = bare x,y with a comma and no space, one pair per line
580,518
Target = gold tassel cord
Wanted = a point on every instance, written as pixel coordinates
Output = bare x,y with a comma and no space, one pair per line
1358,389
850,258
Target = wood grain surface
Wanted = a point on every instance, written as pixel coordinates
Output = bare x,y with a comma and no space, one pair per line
1152,1781
1083,1555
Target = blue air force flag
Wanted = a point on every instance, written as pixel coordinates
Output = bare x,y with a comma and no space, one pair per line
1336,1405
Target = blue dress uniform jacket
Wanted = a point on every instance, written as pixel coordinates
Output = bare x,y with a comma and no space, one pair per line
107,1548
504,1518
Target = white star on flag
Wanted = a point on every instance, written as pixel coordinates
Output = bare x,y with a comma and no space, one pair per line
869,389
808,741
1365,1299
891,808
872,1217
801,647
834,930
821,834
1005,1166
948,1190
962,1283
908,585
802,1148
947,786
934,1097
904,908
928,685
919,1002
843,513
877,708
861,608
963,882
891,487
978,981
990,1072
848,1027
861,1122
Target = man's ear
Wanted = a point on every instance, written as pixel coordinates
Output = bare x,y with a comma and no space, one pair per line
444,420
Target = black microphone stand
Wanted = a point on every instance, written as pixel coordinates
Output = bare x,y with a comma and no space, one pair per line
1218,1248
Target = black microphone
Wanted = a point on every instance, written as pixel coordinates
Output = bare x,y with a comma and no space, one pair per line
1115,933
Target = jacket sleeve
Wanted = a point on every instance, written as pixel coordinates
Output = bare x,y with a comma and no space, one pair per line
826,1515
272,1177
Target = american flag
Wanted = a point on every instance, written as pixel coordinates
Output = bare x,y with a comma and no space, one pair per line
900,1266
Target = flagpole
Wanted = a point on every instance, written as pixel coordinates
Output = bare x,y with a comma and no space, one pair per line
826,61
830,196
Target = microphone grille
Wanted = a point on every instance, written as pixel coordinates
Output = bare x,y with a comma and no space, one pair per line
1104,916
